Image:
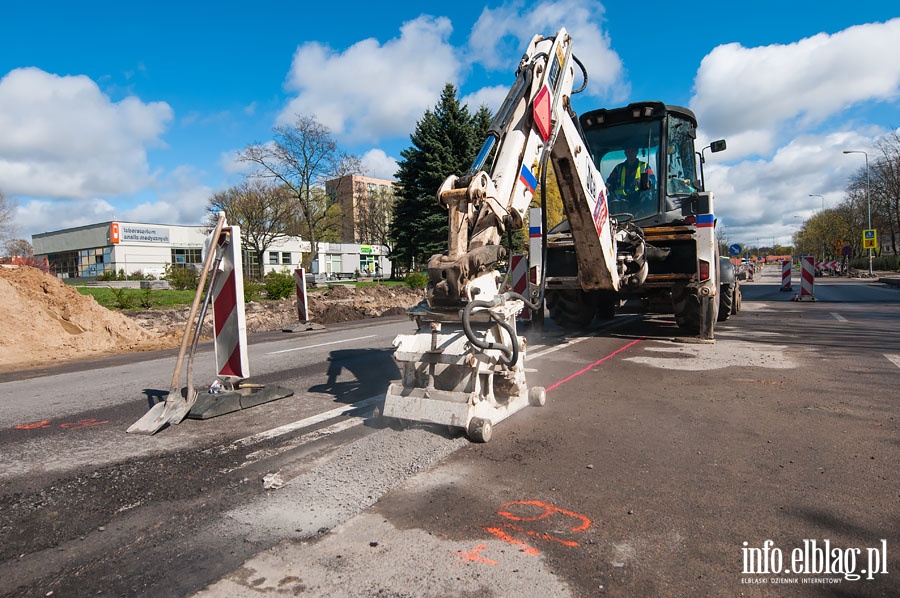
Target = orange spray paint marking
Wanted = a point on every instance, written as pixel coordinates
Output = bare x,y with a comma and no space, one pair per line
44,423
507,531
82,423
547,511
529,550
475,556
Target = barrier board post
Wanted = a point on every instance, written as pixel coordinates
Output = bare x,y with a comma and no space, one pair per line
225,394
230,323
535,258
786,267
807,278
302,301
518,275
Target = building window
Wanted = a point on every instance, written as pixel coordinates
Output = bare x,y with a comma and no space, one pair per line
332,263
183,256
251,264
286,258
64,264
273,258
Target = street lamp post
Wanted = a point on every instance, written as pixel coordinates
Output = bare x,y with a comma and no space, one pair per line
868,202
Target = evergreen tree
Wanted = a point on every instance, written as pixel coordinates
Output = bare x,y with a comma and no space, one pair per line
445,142
482,123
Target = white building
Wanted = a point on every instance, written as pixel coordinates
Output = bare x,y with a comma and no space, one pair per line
88,251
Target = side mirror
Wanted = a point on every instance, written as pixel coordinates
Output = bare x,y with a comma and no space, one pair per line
717,146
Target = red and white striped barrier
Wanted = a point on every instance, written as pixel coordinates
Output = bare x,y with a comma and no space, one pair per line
807,278
786,267
230,324
302,300
518,274
835,265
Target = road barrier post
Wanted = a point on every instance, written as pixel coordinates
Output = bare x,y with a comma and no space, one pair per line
786,266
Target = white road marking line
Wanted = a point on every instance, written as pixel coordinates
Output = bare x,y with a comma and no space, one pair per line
297,442
297,425
305,423
575,340
349,340
893,358
548,350
838,317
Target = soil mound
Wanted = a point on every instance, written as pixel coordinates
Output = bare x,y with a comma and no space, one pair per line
43,320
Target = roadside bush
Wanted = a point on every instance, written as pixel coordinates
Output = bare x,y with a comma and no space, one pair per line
147,298
181,278
886,262
124,299
252,290
279,285
416,280
139,275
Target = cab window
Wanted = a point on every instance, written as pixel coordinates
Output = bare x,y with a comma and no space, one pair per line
680,166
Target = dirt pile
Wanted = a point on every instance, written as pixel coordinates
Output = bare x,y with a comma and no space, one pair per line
43,320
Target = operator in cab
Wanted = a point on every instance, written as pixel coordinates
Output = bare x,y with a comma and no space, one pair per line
624,182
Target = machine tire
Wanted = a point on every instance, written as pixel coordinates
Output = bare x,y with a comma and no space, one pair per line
606,311
726,301
537,396
686,306
571,309
479,430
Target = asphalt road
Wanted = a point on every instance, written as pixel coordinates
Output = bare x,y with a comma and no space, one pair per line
657,467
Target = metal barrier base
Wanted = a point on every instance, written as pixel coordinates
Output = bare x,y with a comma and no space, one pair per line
213,405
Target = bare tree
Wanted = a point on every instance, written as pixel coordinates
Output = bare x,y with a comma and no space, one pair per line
19,248
7,212
264,210
885,189
722,240
302,157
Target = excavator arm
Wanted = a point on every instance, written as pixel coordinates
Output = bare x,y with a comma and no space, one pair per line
534,124
464,366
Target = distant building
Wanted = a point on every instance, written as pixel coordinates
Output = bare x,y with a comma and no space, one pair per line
367,204
86,252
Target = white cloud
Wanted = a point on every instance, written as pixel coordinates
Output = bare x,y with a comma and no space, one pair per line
762,96
373,90
181,199
64,138
492,97
501,34
230,163
41,216
766,198
379,165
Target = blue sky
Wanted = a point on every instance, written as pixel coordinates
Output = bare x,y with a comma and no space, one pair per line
134,111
